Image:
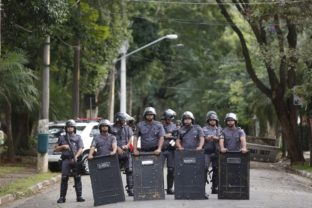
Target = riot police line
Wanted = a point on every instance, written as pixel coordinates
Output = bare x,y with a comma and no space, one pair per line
187,150
107,185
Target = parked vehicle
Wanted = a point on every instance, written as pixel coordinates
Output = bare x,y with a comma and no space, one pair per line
86,129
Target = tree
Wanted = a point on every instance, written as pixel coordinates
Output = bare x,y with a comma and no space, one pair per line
17,86
276,32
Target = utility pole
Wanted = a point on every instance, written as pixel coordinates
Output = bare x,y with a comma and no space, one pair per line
76,82
123,74
111,101
0,25
43,125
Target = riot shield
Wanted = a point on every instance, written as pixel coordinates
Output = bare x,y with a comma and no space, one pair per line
106,180
233,175
189,180
148,177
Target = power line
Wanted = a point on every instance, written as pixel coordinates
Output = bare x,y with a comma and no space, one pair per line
214,3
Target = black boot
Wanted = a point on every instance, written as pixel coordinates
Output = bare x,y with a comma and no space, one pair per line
214,180
78,188
129,186
170,178
206,181
64,185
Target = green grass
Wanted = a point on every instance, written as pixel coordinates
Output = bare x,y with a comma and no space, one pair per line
21,185
5,170
305,167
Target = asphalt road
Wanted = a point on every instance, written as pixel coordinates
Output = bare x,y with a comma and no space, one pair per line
269,187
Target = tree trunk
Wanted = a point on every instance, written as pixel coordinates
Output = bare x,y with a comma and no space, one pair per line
290,132
21,131
10,143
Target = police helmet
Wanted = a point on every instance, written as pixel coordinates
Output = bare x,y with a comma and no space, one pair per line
188,114
120,117
149,110
70,123
129,118
229,116
211,115
210,112
169,114
104,122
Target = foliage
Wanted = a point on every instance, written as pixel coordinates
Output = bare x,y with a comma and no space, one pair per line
18,81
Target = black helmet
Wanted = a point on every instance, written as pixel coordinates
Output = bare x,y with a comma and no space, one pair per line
149,110
188,114
120,117
169,114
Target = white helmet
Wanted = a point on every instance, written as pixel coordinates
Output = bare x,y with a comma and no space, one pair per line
149,110
231,116
188,114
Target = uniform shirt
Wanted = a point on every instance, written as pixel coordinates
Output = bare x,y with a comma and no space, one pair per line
211,146
76,144
103,144
150,134
189,136
169,128
232,138
122,134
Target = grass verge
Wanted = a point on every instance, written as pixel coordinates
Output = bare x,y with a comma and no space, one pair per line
305,167
21,186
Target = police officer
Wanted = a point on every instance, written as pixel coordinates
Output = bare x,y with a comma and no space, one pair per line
71,146
212,132
232,138
104,143
124,135
151,133
169,146
190,136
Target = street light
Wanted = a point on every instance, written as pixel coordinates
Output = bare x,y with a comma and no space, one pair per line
123,68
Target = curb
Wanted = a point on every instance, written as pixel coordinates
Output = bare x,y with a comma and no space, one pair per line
31,190
300,172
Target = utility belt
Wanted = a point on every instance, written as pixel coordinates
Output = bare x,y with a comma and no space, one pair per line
149,149
67,157
211,151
